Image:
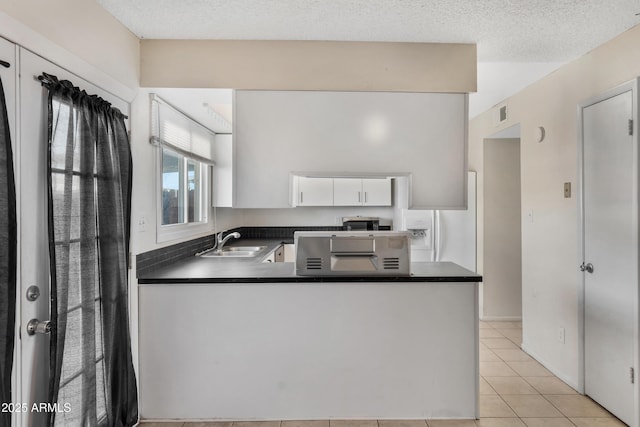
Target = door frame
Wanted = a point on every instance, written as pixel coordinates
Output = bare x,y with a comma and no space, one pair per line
632,86
25,38
25,77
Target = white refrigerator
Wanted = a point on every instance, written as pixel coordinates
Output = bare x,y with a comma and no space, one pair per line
444,235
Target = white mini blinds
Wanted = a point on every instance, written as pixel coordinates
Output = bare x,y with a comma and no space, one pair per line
177,131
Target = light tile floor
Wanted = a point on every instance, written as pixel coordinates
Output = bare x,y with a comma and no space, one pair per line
515,391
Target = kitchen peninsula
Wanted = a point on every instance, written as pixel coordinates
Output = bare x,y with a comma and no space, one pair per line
253,341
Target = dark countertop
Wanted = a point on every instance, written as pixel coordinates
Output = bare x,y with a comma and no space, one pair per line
252,270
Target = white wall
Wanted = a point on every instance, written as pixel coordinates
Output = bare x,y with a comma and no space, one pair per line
324,216
75,34
502,272
145,175
550,253
308,351
143,201
279,132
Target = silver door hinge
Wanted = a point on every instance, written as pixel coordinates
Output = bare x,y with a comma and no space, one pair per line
633,375
630,127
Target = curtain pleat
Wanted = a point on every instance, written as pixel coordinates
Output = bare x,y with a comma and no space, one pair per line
89,221
8,265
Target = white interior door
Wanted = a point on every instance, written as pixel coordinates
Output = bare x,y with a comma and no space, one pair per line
34,254
610,247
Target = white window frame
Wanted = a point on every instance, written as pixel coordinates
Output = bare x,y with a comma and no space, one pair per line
169,232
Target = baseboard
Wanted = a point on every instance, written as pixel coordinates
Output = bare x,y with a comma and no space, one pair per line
501,318
571,383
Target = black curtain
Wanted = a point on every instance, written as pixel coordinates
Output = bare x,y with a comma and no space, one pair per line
89,220
7,260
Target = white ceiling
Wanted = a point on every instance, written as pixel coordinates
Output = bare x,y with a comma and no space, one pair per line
518,41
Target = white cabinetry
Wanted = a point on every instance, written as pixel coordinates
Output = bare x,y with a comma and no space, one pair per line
327,191
377,192
315,191
362,192
347,192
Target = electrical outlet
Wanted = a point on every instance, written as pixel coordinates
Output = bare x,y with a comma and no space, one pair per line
561,337
338,220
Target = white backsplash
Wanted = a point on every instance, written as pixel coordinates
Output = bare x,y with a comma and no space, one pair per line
227,218
303,216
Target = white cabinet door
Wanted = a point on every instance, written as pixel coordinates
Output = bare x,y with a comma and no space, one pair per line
347,192
315,191
377,192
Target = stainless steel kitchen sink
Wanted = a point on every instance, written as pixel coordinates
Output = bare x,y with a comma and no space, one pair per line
243,248
233,251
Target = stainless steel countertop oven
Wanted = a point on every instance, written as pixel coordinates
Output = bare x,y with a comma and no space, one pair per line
351,253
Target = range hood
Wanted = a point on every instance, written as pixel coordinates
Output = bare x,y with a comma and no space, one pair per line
352,253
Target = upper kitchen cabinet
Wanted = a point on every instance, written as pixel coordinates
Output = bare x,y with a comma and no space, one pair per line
362,192
315,191
420,135
376,192
347,191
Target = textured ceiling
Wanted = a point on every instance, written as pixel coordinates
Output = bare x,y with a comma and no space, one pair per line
504,30
519,41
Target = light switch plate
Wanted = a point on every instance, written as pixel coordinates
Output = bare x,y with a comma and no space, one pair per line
567,190
561,335
142,223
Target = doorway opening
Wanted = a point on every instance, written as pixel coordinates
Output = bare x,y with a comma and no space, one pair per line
502,227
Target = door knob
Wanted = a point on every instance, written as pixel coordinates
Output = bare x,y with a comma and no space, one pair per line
36,326
587,267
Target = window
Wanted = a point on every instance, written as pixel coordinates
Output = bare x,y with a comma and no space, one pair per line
182,190
185,157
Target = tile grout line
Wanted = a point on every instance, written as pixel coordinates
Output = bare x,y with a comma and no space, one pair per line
564,416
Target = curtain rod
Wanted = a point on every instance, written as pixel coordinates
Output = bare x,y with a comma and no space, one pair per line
5,64
48,80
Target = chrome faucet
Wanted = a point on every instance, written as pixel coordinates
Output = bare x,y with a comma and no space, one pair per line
222,241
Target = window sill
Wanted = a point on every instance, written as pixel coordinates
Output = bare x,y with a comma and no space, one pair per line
166,233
